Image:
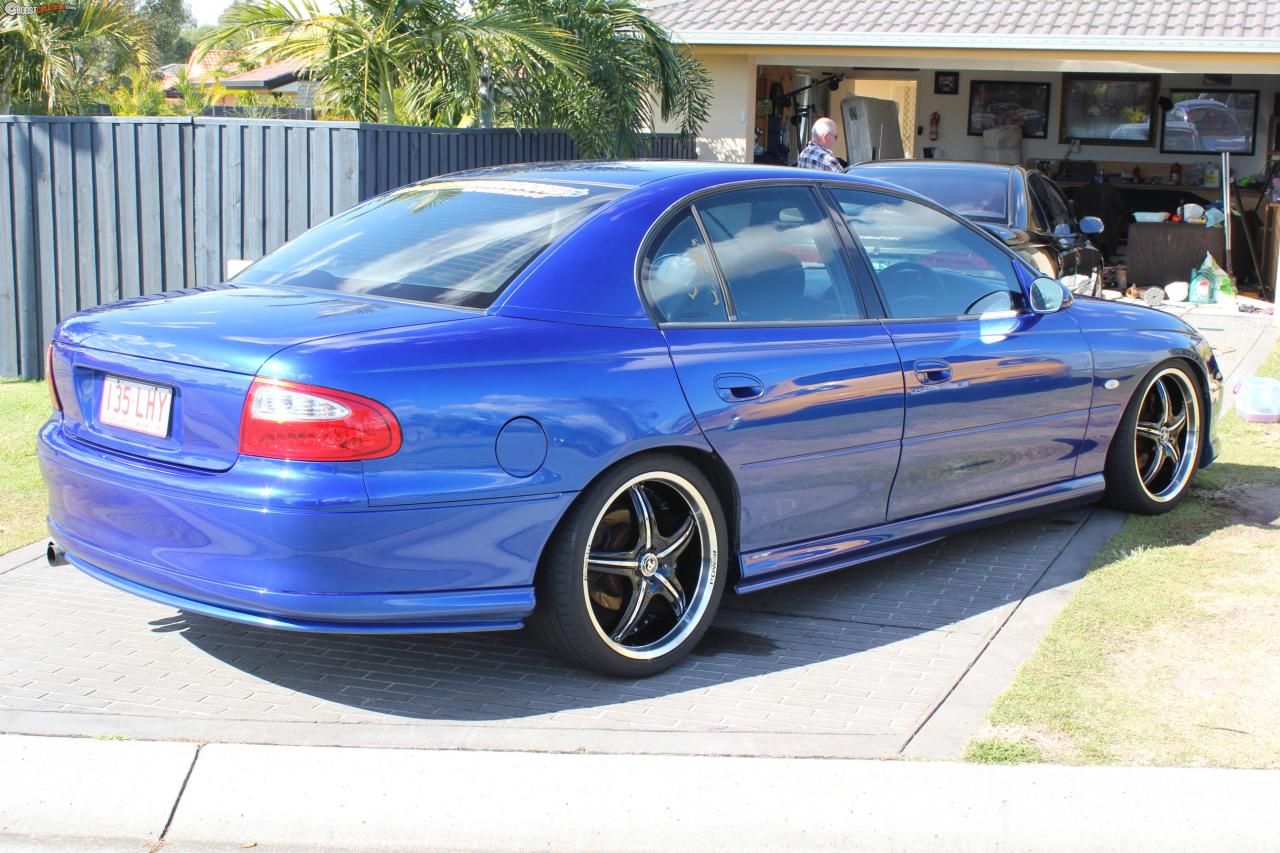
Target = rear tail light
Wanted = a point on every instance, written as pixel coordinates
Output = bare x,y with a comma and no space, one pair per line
289,420
48,375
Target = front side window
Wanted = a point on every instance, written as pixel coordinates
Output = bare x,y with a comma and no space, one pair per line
450,242
779,257
927,263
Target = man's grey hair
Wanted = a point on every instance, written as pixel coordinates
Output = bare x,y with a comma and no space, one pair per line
822,126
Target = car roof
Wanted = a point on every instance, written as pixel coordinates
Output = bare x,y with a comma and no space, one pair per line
956,165
637,173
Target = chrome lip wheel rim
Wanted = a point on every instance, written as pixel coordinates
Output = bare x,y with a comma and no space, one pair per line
650,565
1167,435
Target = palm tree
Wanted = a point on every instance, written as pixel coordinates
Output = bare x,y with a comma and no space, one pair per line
139,94
394,60
600,69
195,97
633,74
48,61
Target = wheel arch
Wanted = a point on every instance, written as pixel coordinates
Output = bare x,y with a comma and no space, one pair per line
1200,371
701,456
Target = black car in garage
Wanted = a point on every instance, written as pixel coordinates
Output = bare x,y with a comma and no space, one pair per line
1022,207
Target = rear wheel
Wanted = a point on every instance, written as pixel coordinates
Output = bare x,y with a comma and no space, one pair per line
632,579
1156,449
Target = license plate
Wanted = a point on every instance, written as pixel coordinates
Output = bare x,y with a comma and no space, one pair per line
135,406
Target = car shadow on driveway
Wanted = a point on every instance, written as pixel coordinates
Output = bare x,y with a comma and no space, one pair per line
867,649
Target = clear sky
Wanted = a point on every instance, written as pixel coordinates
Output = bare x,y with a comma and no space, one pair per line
207,11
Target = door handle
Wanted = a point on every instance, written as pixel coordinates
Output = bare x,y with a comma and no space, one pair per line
736,387
933,372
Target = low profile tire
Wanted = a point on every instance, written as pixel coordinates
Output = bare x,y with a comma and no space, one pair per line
633,576
1157,447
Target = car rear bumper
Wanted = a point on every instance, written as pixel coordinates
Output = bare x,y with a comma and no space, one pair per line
403,613
282,563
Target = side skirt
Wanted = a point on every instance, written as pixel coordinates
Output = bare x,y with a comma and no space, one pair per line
773,566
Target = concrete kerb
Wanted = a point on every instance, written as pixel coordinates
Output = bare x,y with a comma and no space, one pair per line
90,788
284,798
441,735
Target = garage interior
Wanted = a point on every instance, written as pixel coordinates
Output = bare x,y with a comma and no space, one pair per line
1158,180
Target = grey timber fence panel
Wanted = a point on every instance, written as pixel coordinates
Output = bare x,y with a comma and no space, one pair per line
259,183
94,209
10,326
126,180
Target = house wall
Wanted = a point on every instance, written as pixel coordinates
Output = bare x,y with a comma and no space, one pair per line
724,136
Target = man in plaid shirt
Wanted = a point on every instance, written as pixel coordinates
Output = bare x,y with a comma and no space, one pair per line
817,154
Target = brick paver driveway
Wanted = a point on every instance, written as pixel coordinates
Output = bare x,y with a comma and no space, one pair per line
868,651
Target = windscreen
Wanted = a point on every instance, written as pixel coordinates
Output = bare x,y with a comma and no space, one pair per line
446,242
979,194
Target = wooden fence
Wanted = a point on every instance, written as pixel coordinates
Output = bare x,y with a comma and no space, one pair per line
95,209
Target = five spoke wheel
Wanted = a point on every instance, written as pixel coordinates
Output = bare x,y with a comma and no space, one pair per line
1166,435
1158,443
647,568
630,581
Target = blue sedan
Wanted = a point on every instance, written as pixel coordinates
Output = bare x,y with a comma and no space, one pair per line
591,398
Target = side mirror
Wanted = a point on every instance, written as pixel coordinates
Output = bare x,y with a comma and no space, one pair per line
1048,295
1091,225
1064,233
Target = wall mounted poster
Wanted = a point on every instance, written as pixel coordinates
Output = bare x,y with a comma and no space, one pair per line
1108,109
1210,120
997,103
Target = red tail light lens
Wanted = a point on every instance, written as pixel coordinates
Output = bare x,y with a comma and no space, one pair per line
289,420
48,375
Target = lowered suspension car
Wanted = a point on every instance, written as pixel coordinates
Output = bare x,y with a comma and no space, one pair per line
592,398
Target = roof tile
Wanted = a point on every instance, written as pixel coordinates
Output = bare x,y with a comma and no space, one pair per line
1252,20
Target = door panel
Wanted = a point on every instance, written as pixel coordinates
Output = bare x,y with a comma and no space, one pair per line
815,450
1011,415
798,391
996,400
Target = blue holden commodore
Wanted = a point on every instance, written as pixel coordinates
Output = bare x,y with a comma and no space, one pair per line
591,398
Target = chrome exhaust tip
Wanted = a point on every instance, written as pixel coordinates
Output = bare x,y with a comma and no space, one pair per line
55,555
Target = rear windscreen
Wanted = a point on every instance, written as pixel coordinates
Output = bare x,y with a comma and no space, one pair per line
450,242
980,194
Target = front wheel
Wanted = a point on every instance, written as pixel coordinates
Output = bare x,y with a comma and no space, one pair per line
1157,447
632,579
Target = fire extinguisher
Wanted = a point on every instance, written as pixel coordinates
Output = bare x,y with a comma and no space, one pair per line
933,127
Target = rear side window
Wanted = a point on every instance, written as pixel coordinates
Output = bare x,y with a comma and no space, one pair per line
680,278
1052,205
927,263
778,253
452,242
974,192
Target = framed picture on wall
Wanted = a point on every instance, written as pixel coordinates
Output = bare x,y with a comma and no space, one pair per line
1108,109
946,82
997,103
1205,121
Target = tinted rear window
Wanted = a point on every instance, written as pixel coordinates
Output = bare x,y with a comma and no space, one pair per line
446,242
981,194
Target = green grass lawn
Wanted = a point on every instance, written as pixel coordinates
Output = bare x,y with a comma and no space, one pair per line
1168,653
25,406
